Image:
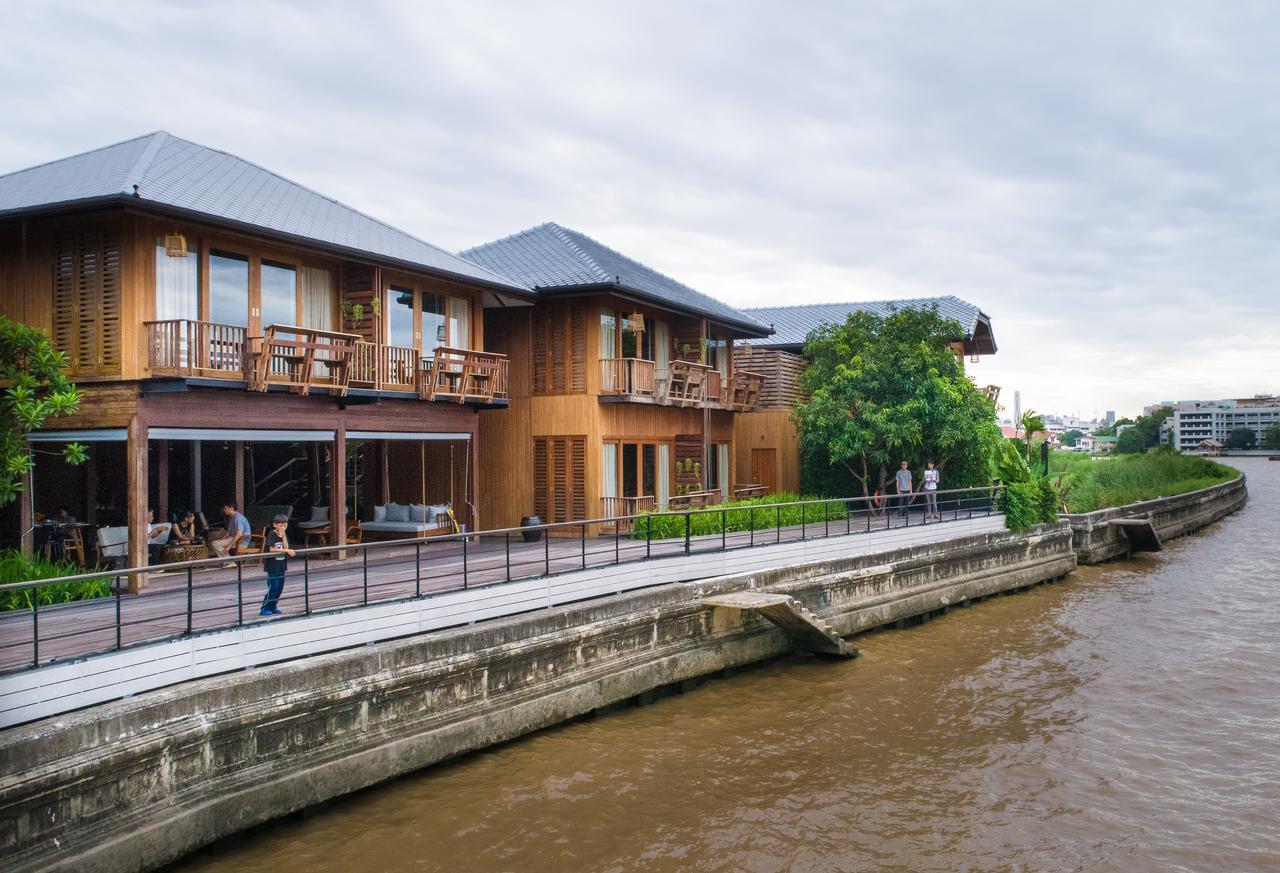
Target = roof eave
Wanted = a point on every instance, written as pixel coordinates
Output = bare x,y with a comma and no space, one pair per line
744,329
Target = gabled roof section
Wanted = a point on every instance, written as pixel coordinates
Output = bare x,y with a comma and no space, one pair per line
550,259
165,170
792,324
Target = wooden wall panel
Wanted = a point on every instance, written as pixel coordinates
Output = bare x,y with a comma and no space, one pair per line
782,371
504,466
768,429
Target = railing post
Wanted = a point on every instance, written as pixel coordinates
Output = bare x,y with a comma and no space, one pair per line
617,543
464,563
306,584
778,523
35,627
583,529
826,519
417,569
189,599
803,512
507,536
687,531
546,550
239,594
364,572
119,634
866,508
648,536
724,528
751,523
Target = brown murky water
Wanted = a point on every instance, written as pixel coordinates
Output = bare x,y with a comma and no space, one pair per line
1126,719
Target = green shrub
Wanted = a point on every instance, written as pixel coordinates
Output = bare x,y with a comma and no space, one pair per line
735,516
1029,503
15,568
1098,483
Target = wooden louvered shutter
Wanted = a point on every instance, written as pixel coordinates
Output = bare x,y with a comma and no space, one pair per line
559,478
86,298
558,356
541,364
577,359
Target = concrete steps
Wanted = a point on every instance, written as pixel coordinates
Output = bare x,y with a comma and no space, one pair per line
797,621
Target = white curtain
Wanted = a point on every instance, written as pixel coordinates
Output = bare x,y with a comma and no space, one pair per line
317,298
608,334
609,477
661,347
723,450
459,323
664,475
177,285
722,357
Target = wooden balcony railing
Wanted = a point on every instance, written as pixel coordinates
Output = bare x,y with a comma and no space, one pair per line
628,376
462,375
180,347
308,358
619,508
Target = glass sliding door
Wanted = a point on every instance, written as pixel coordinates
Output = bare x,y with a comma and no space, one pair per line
177,285
228,288
434,323
279,294
400,317
630,467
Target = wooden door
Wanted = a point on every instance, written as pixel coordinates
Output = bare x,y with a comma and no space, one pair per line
764,468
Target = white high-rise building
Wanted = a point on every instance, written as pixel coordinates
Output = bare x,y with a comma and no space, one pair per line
1194,421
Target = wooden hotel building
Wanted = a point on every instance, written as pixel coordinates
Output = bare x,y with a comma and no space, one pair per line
240,337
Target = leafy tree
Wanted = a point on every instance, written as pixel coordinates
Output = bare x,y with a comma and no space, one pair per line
37,389
1241,438
1271,437
885,389
1144,434
1122,422
1031,424
1071,437
1104,431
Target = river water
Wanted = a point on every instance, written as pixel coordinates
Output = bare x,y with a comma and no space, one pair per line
1126,718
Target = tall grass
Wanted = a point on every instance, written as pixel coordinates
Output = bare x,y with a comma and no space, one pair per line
758,513
15,568
1099,483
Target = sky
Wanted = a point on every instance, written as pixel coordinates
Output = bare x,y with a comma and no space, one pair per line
1102,179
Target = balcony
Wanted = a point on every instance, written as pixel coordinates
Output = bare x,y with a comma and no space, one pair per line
634,377
310,359
684,383
624,509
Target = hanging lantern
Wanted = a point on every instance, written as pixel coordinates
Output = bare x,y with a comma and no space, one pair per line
175,245
636,322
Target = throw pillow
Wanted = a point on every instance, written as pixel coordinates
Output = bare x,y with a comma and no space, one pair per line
418,512
379,513
319,513
397,512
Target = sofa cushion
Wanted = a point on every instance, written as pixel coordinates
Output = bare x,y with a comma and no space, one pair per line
397,512
319,513
438,513
418,512
379,513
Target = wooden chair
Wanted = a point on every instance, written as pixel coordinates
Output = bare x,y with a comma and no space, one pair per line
355,533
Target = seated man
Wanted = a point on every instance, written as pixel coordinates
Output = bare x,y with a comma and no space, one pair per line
157,537
237,534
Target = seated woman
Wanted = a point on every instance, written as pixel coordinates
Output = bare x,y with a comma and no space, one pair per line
184,531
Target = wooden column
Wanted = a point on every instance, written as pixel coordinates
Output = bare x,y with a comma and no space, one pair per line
338,487
473,447
91,488
136,499
384,473
162,485
238,466
197,480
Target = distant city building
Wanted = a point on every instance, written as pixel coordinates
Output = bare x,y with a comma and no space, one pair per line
1111,417
1195,421
1017,406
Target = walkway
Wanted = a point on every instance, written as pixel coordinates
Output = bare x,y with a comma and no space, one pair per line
177,603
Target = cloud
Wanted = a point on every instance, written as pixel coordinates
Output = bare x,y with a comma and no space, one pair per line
1101,180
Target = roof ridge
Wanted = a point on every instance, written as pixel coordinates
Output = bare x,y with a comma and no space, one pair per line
80,154
336,202
640,264
563,232
134,179
855,302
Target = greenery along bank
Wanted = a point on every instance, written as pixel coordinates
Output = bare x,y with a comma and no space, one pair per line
1087,484
16,568
755,513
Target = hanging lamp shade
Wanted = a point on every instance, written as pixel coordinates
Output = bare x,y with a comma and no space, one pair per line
175,245
636,322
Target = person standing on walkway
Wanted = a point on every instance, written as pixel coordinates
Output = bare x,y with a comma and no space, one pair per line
931,492
904,489
277,550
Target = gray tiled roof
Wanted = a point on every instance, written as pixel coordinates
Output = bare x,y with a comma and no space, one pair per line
550,257
173,172
792,324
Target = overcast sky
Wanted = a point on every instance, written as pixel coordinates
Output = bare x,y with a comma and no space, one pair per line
1101,178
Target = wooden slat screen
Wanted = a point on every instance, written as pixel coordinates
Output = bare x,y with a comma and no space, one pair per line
560,349
689,449
559,478
86,298
360,285
782,372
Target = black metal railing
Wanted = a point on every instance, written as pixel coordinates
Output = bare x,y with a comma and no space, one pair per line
193,597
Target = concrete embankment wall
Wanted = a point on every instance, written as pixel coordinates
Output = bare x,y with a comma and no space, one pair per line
1096,540
134,784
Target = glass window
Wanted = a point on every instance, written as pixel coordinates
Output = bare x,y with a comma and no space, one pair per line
608,334
228,288
400,317
434,332
279,294
177,285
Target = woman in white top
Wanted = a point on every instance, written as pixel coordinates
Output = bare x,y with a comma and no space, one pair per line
931,492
